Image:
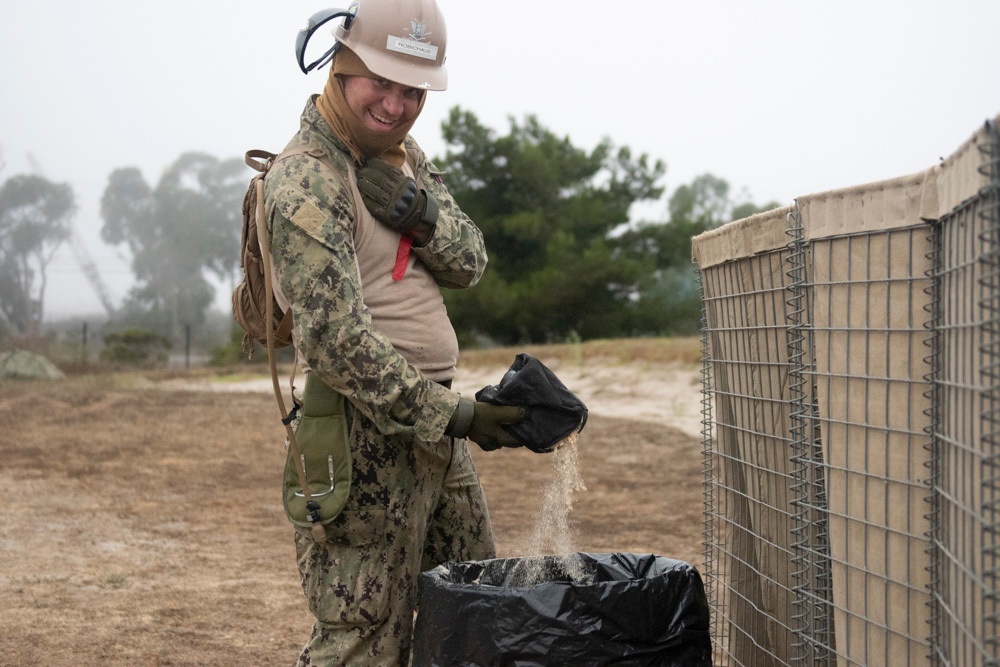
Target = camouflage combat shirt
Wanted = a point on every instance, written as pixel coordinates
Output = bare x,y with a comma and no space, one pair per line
313,212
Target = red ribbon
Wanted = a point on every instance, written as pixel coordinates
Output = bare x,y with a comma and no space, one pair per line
402,256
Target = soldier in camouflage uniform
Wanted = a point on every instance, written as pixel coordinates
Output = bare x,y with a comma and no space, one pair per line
364,234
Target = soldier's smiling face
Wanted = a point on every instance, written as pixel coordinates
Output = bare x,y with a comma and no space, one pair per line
381,105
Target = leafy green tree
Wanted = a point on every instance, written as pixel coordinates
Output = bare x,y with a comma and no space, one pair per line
546,209
35,216
187,225
667,300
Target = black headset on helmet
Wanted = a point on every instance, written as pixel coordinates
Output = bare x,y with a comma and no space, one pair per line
315,21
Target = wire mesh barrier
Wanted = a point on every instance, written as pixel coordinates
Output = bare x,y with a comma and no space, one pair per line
964,422
851,379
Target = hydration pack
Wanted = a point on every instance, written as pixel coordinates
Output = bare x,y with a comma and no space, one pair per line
251,296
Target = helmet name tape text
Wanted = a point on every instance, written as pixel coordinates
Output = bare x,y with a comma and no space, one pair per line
411,48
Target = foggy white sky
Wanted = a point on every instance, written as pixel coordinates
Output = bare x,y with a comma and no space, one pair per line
782,98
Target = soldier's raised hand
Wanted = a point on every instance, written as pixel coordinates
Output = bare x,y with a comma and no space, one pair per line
394,198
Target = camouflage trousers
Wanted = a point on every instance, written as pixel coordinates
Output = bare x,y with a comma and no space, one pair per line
413,505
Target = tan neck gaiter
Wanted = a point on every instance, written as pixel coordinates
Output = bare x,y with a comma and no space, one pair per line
360,141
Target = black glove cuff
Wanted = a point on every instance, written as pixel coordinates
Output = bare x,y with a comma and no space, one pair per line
461,421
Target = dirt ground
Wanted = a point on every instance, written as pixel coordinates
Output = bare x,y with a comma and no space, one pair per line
141,522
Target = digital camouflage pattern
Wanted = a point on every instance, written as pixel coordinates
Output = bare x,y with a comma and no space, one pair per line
311,212
415,499
411,508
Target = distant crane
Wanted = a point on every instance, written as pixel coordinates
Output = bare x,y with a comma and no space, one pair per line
83,258
89,268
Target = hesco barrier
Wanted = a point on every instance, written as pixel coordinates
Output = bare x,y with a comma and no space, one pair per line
852,422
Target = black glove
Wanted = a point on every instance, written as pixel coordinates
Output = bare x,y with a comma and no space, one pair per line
555,413
393,197
484,423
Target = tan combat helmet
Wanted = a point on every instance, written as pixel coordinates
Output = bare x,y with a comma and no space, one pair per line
400,40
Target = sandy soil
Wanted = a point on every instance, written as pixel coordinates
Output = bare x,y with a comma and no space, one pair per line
659,393
141,522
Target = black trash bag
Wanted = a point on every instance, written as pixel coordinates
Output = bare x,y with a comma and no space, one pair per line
554,412
617,609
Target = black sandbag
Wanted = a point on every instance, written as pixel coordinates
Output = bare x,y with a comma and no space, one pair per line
554,412
618,609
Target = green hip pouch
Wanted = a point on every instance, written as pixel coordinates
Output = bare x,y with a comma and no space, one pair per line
325,453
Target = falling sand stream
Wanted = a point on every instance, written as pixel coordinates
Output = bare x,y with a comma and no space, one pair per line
552,533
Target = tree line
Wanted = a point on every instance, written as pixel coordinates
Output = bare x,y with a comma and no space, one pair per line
565,260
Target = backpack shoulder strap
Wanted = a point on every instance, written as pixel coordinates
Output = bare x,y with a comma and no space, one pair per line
261,160
317,529
258,159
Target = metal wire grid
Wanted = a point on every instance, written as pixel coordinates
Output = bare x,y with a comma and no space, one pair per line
990,202
709,568
965,425
748,550
815,527
934,413
810,530
869,333
833,423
